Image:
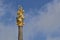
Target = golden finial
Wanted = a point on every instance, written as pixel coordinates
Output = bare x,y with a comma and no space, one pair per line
20,16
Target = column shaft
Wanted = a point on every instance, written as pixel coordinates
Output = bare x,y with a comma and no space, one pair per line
20,33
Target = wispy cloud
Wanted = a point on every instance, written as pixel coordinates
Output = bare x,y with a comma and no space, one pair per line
2,8
48,21
7,32
7,12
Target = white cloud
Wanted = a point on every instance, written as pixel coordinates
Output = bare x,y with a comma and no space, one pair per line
8,32
48,21
4,8
50,38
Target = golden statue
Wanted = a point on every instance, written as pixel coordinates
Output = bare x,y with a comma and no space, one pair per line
20,17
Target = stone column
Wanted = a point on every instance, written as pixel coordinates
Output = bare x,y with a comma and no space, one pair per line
20,33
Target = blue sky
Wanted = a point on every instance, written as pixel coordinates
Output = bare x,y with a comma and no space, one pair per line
42,19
